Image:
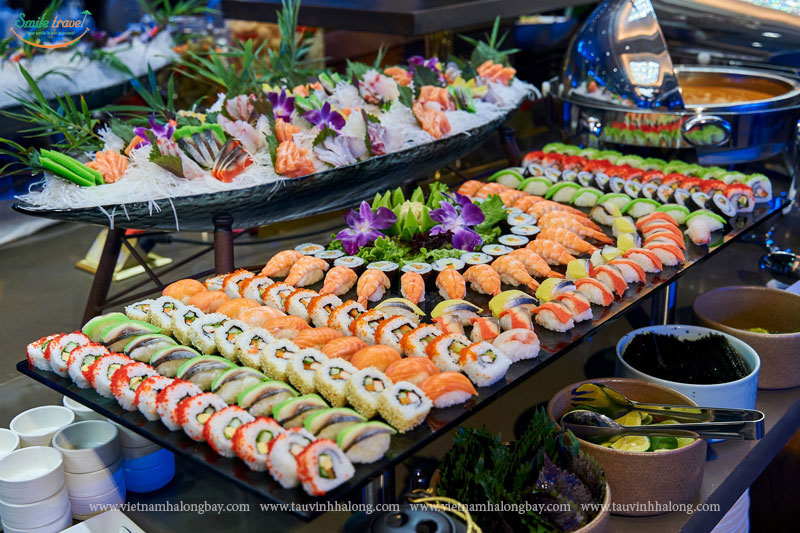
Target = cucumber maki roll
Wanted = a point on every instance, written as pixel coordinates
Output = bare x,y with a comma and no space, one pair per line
665,194
562,192
680,196
649,190
677,212
720,205
552,173
584,178
616,184
569,174
586,197
510,177
697,200
537,186
533,170
762,187
633,189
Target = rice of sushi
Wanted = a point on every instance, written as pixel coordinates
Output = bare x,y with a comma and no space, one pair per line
233,382
182,323
554,316
484,363
366,442
126,380
202,332
297,301
194,412
232,282
169,397
320,309
251,442
35,353
327,423
101,371
282,455
250,345
59,348
404,406
139,310
363,389
366,324
331,378
302,367
218,431
254,288
145,398
276,356
260,399
161,311
322,466
517,344
390,331
275,295
225,338
80,359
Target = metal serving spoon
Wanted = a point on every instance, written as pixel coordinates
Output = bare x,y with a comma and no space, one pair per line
596,427
614,404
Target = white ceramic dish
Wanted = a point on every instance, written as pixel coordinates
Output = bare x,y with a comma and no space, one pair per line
130,439
36,514
9,441
98,482
130,454
31,474
114,520
739,394
62,522
88,446
82,508
36,427
81,411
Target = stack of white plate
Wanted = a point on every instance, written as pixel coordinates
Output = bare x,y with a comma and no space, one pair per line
147,465
33,493
93,466
81,411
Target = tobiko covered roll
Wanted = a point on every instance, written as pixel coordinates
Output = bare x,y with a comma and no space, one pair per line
101,371
126,380
282,453
322,466
169,397
145,398
218,431
251,441
59,348
194,412
81,359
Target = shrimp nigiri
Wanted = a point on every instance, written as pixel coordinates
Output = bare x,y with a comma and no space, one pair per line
451,284
483,279
343,347
183,289
513,272
339,280
371,286
536,266
577,227
568,239
551,251
412,287
509,196
490,189
584,220
527,201
306,271
280,263
470,187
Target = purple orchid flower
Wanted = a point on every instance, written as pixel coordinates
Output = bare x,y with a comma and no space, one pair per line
325,117
161,131
364,225
419,61
282,105
457,221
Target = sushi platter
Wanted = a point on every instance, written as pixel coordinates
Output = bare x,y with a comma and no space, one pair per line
379,314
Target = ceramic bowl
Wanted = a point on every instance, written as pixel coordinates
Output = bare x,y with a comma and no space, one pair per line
9,441
739,394
641,477
88,446
62,522
31,474
99,482
81,411
131,439
734,310
83,508
37,426
131,454
36,514
142,480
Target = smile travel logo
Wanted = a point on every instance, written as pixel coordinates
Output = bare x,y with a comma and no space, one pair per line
37,31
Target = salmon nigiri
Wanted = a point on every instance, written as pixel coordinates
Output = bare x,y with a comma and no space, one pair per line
447,388
286,327
208,301
258,316
412,369
343,347
377,356
235,306
316,337
183,289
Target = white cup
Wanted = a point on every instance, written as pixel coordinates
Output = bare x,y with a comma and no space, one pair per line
83,508
81,411
31,474
61,523
94,483
88,446
36,427
36,514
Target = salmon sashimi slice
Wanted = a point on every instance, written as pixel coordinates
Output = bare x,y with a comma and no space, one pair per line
291,161
111,164
431,121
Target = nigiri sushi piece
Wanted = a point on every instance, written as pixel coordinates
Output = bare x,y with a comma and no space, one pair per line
449,323
412,287
285,327
554,316
451,284
372,285
446,388
551,251
578,304
489,189
699,231
183,290
208,301
647,259
571,241
630,270
339,280
513,272
540,208
526,202
595,291
509,196
306,271
516,318
316,337
235,306
549,218
659,226
343,347
576,226
258,316
379,357
665,237
412,369
483,279
484,328
470,187
669,254
535,265
653,217
280,263
518,344
612,277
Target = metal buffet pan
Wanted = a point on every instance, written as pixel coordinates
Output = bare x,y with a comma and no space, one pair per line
438,422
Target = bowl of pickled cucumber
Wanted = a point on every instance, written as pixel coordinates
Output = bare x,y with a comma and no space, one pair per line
644,473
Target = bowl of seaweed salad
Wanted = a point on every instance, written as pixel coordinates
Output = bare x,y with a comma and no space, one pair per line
545,466
712,368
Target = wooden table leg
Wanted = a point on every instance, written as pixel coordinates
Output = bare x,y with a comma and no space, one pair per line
104,274
223,243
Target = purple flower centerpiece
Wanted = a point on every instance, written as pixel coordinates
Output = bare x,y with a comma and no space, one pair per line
364,225
458,219
282,105
160,131
325,117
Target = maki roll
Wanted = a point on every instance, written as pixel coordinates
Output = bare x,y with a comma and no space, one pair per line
516,219
255,288
194,412
276,356
143,347
364,388
602,182
554,316
352,262
145,397
366,442
445,351
260,399
653,176
423,269
275,295
404,406
282,453
517,344
126,380
251,441
225,338
139,310
35,353
167,360
322,466
366,324
59,348
513,241
231,383
100,372
413,343
169,397
665,194
584,178
327,423
330,256
342,316
182,323
616,185
712,187
80,359
586,197
203,370
302,367
552,174
215,283
390,331
296,303
160,313
650,190
443,264
678,213
202,332
483,363
294,411
309,248
218,431
696,200
250,345
330,380
680,196
232,283
723,207
741,196
632,188
320,308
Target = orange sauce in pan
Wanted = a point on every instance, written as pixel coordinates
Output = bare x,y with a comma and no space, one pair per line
714,94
